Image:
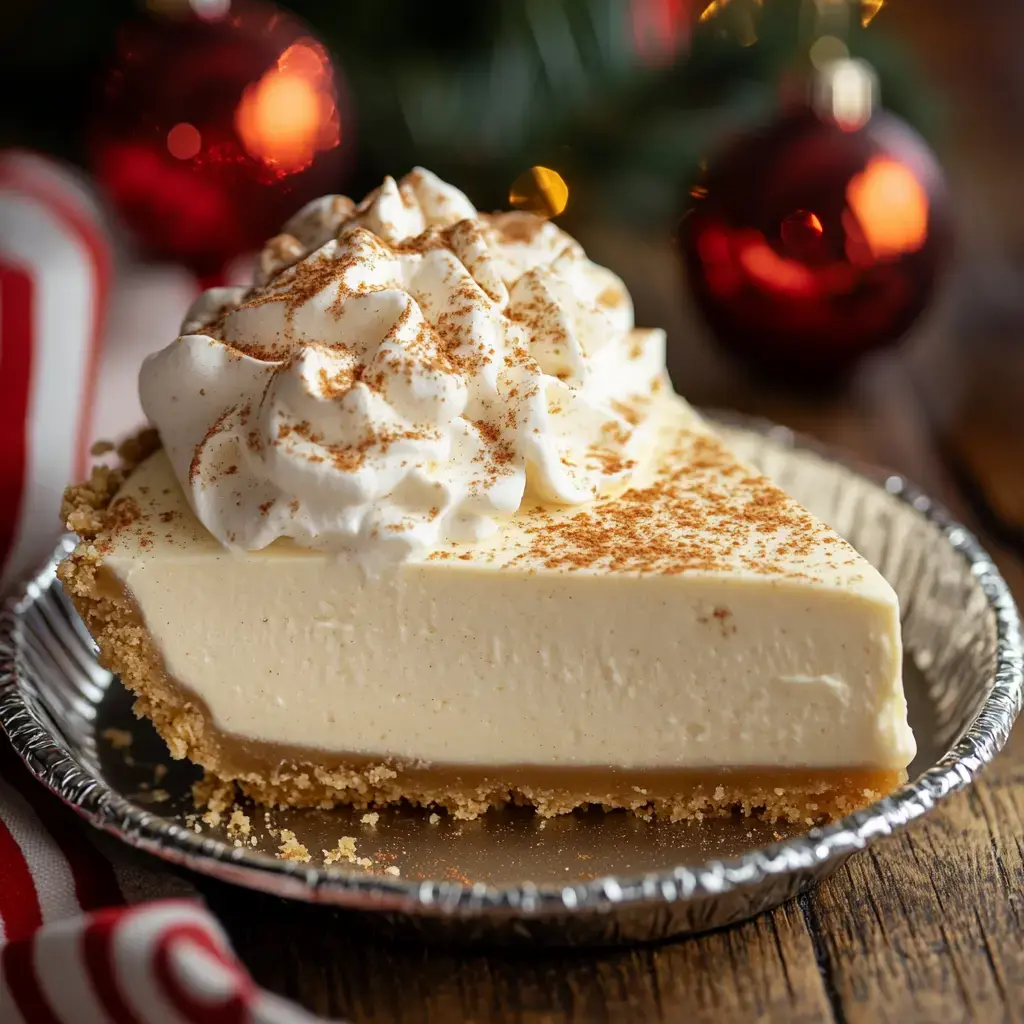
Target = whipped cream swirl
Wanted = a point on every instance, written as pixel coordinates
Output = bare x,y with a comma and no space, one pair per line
403,374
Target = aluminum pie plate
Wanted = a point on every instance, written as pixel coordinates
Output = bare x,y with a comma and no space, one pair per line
585,878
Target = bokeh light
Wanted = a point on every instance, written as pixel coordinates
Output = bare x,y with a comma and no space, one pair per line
208,10
826,50
716,6
540,190
849,86
891,208
868,10
291,113
184,141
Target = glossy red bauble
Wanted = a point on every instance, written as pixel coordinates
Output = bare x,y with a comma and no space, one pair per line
808,246
210,133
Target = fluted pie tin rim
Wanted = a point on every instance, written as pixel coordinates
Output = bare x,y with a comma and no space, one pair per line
641,906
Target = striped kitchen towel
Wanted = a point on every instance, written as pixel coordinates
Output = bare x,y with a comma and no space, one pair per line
55,269
75,948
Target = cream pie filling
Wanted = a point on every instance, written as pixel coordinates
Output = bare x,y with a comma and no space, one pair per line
499,654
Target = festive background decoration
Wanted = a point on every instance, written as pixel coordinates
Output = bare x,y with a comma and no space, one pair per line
818,238
212,130
622,97
215,119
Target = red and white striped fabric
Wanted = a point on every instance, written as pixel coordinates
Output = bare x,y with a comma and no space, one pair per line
76,945
55,266
74,950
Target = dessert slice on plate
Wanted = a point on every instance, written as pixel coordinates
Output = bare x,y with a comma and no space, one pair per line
424,520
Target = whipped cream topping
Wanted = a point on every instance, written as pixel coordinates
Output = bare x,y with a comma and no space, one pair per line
404,373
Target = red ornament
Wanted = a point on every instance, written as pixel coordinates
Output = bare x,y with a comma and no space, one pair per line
212,132
812,243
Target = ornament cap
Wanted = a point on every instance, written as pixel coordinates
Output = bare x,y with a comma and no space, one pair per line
845,91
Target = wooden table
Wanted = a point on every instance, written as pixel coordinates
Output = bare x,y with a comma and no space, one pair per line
926,927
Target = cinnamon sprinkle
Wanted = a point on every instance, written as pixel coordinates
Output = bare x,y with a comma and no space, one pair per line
610,297
219,424
347,457
630,413
515,226
703,512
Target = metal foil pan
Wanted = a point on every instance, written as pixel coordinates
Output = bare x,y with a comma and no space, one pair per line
589,877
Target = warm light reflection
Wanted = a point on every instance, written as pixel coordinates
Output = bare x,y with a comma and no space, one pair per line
803,220
891,208
801,233
291,113
540,190
850,88
767,268
184,141
868,9
716,6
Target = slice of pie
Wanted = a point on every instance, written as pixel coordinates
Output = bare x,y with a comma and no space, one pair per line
424,520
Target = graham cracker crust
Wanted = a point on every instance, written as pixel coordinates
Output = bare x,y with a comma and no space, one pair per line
296,777
280,777
125,646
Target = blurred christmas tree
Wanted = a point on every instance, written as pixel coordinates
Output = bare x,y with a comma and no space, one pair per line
621,97
604,110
